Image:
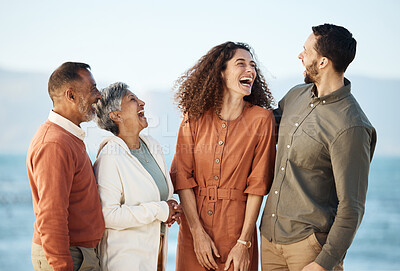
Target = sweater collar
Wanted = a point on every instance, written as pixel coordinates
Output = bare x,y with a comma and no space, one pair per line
67,125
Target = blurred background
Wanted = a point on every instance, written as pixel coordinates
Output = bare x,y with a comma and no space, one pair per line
149,44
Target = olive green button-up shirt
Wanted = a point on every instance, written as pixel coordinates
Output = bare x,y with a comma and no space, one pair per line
325,146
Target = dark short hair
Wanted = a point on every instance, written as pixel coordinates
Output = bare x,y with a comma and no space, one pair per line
336,43
66,73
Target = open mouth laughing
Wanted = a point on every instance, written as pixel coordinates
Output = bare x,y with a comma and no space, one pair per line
141,113
246,81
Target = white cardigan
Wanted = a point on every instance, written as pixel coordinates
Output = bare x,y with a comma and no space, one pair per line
131,207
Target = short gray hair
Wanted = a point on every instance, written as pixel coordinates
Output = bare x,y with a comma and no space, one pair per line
110,102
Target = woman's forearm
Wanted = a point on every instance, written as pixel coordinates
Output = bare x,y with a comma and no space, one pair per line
189,205
252,210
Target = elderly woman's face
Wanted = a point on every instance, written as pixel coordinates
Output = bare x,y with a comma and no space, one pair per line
132,112
240,73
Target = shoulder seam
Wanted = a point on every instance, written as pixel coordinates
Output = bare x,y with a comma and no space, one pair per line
345,130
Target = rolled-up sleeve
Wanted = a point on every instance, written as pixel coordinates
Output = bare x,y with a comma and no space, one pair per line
182,167
351,154
262,171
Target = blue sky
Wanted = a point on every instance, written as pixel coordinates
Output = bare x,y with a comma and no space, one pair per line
148,44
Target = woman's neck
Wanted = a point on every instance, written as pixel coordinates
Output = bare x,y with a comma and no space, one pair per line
131,139
232,107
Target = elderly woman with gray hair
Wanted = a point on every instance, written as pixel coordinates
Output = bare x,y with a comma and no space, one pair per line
134,186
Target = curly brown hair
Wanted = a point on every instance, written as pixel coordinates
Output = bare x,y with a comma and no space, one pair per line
201,87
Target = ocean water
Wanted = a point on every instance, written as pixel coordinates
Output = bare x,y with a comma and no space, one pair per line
375,247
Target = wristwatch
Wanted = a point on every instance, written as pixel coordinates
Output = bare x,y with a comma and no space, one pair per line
246,243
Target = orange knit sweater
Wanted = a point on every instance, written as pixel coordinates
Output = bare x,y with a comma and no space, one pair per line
64,192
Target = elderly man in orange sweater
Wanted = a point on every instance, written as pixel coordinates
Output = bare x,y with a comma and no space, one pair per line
68,218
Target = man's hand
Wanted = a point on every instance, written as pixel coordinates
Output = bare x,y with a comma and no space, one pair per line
313,267
240,257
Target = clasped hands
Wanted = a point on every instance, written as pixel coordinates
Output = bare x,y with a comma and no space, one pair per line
175,211
205,250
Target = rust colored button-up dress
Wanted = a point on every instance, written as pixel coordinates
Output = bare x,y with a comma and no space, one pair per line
223,161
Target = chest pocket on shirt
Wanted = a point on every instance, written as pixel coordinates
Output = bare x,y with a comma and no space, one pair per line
305,150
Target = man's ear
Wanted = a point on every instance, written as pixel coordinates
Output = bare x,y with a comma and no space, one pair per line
71,95
324,61
115,116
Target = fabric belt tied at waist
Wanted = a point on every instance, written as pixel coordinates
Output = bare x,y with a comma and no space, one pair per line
213,193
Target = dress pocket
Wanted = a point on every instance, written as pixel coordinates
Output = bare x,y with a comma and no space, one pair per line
235,218
305,150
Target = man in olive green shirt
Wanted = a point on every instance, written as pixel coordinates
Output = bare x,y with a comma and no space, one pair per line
325,146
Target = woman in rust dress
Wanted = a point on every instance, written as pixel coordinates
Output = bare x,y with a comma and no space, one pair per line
224,160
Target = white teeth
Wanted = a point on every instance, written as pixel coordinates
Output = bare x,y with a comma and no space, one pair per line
141,113
246,80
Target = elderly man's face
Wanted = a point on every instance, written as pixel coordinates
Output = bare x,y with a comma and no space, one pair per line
88,96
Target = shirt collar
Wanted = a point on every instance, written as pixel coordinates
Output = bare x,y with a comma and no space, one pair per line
334,96
67,125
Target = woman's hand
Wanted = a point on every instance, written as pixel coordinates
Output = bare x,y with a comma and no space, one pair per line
239,254
204,248
175,211
240,257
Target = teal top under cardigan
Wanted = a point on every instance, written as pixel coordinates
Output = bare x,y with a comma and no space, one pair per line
149,163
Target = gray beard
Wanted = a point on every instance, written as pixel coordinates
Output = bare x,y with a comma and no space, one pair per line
88,115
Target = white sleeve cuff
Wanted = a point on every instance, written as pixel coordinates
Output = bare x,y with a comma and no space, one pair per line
163,212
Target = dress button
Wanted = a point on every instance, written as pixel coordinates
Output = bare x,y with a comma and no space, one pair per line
216,178
276,192
282,168
220,142
210,212
296,124
273,215
217,161
223,125
311,105
288,146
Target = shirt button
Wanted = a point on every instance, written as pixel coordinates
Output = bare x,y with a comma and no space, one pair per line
311,105
223,125
288,146
296,124
273,215
220,142
276,192
282,168
216,178
210,212
217,161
